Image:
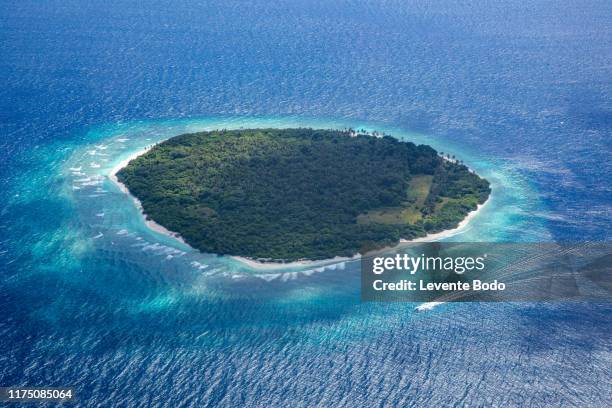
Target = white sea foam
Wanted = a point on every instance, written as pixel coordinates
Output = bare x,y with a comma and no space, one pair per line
139,244
199,265
289,276
427,306
152,247
268,277
91,183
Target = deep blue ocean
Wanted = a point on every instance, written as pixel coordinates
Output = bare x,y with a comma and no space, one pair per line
91,298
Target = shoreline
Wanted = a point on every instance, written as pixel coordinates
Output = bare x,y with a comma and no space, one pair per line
451,232
112,175
269,266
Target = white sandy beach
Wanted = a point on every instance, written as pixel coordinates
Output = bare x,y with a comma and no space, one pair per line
254,264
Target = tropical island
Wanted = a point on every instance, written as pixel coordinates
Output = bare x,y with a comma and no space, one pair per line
282,195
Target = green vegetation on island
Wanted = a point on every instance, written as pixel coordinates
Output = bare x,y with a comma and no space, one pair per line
289,194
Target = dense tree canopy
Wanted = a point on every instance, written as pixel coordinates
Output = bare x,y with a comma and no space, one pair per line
287,194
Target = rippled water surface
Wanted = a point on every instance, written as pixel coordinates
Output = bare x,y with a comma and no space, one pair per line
91,298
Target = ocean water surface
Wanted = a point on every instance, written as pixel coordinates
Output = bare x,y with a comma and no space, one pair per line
91,298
